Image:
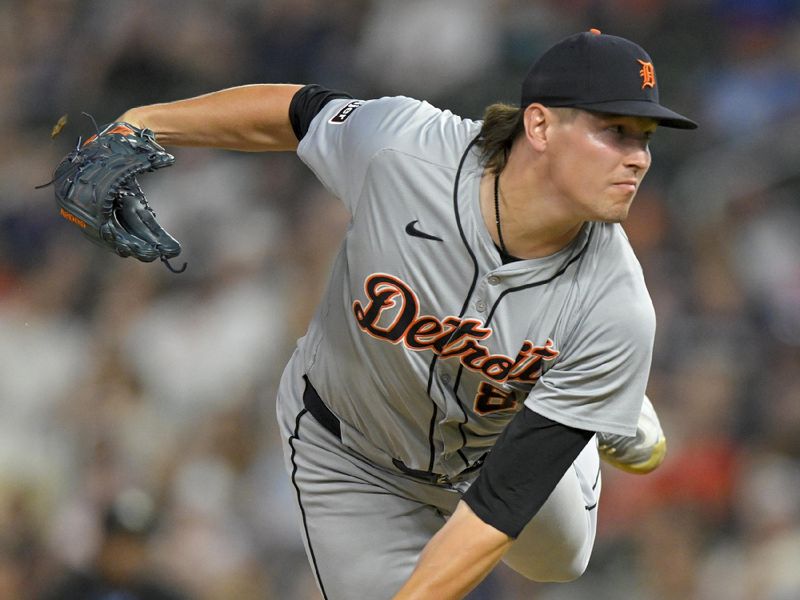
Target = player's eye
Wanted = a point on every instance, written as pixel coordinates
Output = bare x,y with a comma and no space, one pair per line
621,131
618,131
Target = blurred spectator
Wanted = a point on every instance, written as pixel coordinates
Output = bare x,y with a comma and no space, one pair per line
757,79
120,568
760,559
427,49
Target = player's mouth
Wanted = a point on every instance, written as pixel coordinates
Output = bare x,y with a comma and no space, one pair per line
626,185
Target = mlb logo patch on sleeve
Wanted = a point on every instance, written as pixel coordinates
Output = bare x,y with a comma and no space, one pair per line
342,115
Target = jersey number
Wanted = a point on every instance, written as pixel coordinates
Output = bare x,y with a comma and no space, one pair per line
490,399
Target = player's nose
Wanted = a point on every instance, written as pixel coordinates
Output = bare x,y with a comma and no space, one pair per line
638,158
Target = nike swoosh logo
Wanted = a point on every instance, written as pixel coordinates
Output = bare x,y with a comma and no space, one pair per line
413,231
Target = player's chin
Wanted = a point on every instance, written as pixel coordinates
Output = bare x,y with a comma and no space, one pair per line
615,212
621,205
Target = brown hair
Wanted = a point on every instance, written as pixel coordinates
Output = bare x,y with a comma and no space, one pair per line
502,125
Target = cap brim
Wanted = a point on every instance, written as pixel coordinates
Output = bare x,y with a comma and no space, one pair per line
639,108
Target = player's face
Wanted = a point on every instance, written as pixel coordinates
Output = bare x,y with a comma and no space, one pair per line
598,162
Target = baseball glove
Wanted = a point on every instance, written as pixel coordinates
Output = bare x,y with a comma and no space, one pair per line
97,190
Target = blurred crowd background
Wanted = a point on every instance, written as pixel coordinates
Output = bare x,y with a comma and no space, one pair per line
137,433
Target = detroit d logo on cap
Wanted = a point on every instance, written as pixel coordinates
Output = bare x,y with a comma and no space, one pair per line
647,73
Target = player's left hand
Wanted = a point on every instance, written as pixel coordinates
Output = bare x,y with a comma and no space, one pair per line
97,190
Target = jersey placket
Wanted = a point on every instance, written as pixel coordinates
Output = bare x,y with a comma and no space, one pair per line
451,375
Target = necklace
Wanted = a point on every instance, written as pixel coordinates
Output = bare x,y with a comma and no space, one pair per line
497,214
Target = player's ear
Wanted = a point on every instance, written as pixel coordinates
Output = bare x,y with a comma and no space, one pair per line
537,120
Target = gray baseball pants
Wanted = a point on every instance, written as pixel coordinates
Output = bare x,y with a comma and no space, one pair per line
364,525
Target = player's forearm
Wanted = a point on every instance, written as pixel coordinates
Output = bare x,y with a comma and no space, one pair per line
456,559
251,118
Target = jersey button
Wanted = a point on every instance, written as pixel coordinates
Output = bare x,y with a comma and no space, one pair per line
445,378
480,305
493,280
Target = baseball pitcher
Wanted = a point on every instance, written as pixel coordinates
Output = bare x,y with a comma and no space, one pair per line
486,333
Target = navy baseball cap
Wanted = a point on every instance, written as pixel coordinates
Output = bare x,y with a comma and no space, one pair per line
601,73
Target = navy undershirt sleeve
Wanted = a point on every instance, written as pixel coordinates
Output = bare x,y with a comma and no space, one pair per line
306,104
522,470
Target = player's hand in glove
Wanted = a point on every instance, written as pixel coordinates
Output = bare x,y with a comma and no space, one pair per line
97,190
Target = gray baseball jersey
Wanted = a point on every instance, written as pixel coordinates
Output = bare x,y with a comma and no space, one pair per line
425,345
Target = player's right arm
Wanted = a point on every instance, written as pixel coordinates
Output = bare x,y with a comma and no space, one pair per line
456,559
252,118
